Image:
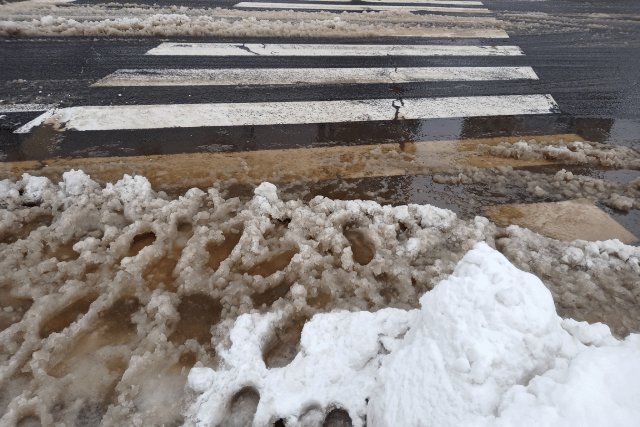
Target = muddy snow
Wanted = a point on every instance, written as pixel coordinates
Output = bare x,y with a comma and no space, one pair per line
38,18
124,306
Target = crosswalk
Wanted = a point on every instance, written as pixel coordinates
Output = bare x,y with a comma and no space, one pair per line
309,111
325,6
337,102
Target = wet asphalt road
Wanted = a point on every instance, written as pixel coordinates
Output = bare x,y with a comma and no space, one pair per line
584,53
590,74
590,67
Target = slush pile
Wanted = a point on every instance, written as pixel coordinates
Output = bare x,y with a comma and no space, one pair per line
123,306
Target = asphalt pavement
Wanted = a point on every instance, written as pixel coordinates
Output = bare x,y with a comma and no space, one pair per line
589,74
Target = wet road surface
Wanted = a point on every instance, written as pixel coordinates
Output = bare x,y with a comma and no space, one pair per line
154,90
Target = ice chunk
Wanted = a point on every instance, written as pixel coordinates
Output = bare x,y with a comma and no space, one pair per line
268,191
597,334
573,256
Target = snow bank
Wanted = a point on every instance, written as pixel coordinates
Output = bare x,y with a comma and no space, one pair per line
593,390
43,19
486,348
485,329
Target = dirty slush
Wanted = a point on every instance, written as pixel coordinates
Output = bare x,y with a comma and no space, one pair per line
125,306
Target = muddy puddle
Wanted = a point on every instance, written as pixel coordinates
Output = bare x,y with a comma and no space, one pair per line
198,313
362,248
66,316
218,252
284,346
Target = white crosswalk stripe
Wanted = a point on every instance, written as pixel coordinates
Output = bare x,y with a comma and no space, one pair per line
304,6
310,76
279,113
311,50
458,2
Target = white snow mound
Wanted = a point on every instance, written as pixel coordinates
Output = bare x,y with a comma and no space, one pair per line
475,354
486,348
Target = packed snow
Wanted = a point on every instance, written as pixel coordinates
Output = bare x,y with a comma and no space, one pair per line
123,306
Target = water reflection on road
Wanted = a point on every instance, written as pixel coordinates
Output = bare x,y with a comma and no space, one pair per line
393,162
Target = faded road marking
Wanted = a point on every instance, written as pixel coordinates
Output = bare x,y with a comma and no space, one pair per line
24,108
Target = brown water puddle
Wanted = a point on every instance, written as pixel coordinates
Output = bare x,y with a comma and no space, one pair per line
161,271
30,224
566,221
320,301
361,247
98,373
140,242
286,165
506,214
198,313
218,252
29,421
62,252
278,262
114,328
271,295
18,307
67,315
